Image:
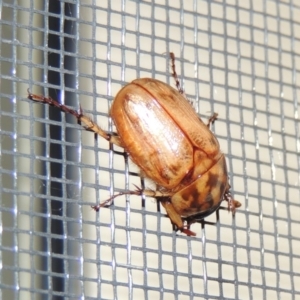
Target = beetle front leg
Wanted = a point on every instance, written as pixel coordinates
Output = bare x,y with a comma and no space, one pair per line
85,121
211,120
175,76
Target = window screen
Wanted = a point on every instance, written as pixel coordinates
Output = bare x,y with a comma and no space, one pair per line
239,59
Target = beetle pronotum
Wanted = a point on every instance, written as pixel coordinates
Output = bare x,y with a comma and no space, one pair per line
166,139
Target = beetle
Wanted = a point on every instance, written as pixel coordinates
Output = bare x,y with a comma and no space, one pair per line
163,135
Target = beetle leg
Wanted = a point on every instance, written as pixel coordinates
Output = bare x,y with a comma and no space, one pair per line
164,199
172,213
175,76
109,200
85,121
211,120
232,204
188,232
175,217
137,192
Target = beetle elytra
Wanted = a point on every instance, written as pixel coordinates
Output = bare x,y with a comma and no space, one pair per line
159,129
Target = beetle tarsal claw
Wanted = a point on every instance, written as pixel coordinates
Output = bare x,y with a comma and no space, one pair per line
138,190
186,230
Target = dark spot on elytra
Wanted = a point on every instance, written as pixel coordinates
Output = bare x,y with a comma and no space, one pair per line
195,205
174,168
187,178
212,180
223,187
126,98
213,141
204,209
207,204
195,202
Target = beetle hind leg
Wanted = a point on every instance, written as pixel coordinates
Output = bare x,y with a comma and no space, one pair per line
175,217
187,231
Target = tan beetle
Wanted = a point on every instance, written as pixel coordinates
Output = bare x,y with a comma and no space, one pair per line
167,140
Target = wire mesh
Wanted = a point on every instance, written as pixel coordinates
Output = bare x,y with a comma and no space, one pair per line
239,59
